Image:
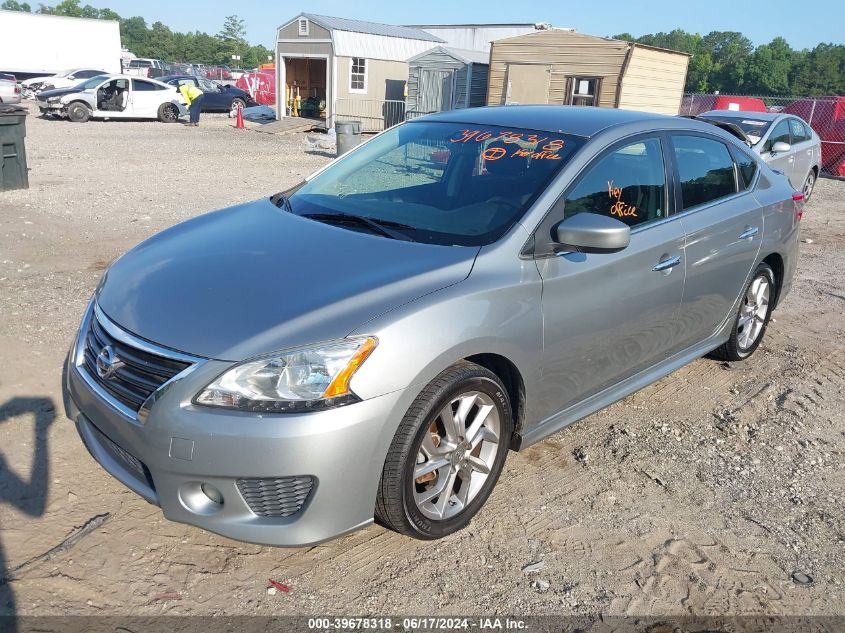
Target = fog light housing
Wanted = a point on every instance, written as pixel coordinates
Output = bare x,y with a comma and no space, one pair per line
200,497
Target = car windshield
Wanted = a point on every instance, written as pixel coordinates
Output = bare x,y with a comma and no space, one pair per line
441,183
754,129
89,84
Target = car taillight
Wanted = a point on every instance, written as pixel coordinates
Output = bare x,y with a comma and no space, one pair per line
798,201
17,89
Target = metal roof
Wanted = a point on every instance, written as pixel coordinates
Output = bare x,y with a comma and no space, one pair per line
467,57
371,28
580,121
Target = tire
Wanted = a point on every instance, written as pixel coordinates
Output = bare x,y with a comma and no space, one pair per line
78,112
752,319
809,185
168,113
476,399
233,110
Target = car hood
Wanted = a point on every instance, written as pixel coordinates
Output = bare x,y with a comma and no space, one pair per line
57,92
254,279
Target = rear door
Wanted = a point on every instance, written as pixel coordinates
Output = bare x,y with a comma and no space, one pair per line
724,228
607,315
802,149
145,99
527,83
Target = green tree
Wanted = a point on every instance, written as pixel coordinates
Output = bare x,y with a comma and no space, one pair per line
13,5
769,67
70,8
729,51
820,72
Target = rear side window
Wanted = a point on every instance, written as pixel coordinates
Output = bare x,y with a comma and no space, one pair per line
628,184
140,84
705,169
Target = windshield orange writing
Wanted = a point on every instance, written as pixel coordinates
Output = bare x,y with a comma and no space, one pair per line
619,208
549,151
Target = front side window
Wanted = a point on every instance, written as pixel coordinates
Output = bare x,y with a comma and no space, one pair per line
799,132
584,91
208,86
779,135
440,183
358,75
628,184
705,169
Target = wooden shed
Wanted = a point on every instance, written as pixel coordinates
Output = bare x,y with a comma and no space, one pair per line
561,66
446,79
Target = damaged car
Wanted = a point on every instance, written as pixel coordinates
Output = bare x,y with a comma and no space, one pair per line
114,97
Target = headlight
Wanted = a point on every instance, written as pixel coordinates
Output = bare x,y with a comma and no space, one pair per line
305,379
54,99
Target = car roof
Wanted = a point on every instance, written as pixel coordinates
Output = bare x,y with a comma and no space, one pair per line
744,114
576,120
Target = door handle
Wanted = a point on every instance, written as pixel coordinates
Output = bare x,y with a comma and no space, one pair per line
749,233
667,264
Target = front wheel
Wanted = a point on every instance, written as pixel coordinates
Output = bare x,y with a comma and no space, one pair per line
447,454
751,322
236,104
78,112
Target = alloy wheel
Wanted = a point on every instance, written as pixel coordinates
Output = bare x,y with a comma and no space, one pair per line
457,455
809,184
753,312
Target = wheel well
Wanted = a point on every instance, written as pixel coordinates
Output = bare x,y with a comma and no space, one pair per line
512,379
775,261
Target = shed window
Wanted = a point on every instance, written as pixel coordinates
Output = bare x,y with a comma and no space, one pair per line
303,26
358,75
583,91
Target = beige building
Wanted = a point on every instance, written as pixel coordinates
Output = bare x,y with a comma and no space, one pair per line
358,69
561,66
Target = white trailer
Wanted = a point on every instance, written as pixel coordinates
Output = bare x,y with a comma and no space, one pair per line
34,44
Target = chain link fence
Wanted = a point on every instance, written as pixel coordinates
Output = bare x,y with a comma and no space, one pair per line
826,115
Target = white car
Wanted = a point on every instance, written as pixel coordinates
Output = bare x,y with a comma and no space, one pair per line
115,97
65,79
10,90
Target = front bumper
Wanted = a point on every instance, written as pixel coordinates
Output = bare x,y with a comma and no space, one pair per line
178,447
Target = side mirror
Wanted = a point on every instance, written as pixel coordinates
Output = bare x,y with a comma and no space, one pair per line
592,233
780,147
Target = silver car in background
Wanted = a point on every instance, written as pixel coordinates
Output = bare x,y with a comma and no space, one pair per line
784,141
371,343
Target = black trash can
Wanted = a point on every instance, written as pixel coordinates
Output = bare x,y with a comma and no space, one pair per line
13,174
348,135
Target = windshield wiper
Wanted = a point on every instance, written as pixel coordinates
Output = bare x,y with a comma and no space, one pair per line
376,226
282,201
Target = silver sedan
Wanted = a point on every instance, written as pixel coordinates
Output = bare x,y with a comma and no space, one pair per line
784,141
371,343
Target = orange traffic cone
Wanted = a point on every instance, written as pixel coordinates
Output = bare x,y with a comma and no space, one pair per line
240,122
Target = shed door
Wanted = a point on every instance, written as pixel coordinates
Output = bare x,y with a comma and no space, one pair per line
437,88
528,83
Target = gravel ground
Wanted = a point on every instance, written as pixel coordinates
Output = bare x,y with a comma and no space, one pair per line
709,492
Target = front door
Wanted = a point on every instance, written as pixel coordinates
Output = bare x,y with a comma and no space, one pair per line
782,161
724,229
609,316
527,84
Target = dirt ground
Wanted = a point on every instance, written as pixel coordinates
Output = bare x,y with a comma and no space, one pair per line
710,492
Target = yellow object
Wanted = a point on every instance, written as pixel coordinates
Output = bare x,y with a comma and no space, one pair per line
340,385
190,92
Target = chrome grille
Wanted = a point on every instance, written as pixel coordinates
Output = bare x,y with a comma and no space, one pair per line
139,372
279,497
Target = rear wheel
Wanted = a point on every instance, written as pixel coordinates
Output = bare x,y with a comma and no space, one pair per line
753,316
78,112
168,113
809,185
447,454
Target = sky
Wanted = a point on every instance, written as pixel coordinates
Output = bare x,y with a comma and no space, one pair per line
759,20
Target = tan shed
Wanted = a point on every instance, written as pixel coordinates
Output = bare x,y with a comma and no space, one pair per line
561,66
